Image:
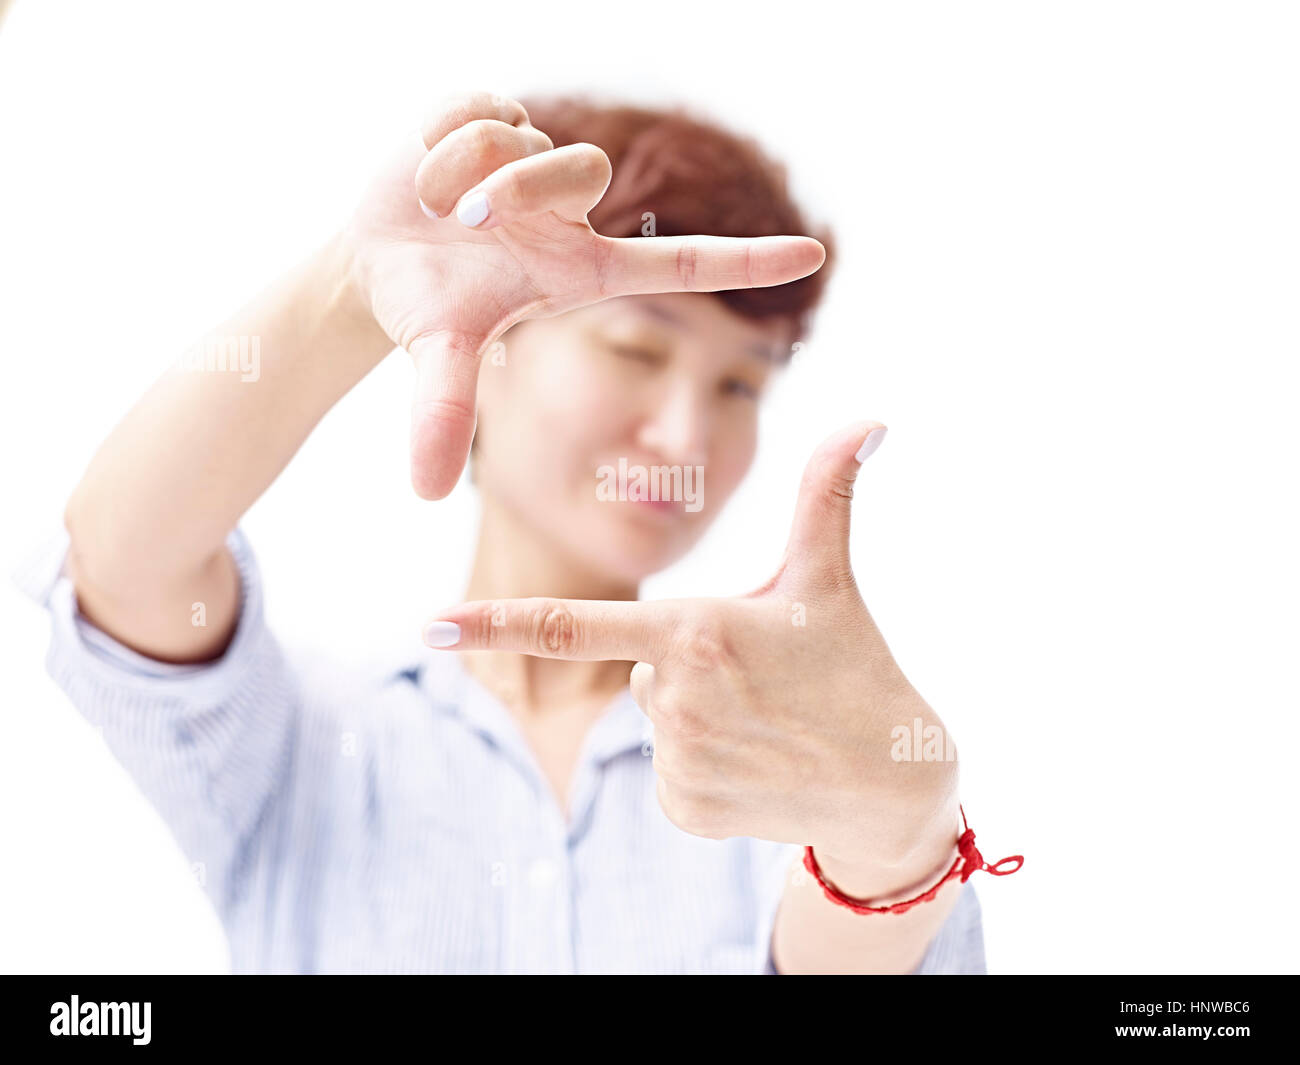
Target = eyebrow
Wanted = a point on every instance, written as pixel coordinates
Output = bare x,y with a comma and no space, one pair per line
766,352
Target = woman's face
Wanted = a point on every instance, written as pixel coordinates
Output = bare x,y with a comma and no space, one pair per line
619,430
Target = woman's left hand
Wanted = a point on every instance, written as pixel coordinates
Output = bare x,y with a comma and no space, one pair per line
779,714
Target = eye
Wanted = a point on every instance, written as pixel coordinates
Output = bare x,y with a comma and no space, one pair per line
735,386
636,354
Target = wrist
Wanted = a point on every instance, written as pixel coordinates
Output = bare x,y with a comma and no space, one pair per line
884,875
340,306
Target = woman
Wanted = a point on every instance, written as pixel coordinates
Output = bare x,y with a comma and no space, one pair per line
602,785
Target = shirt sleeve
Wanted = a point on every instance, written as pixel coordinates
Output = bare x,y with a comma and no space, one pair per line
958,947
209,744
774,863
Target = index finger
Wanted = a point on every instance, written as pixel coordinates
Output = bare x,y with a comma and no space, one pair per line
636,265
593,630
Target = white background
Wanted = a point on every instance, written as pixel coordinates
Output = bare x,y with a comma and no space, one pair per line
1070,255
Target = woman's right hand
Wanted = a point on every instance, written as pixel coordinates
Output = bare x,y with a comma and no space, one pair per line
511,242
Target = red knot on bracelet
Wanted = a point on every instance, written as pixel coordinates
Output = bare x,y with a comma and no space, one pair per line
968,862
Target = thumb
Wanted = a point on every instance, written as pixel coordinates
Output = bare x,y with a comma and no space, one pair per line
819,537
443,410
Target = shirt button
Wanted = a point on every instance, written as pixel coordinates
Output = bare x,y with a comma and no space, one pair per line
542,873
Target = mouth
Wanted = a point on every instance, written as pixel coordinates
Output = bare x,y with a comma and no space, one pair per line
663,492
659,508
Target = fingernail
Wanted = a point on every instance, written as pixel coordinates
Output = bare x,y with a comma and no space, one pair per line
441,633
873,440
473,209
429,211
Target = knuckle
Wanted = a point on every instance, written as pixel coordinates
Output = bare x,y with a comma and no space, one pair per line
684,725
441,116
602,261
485,627
687,260
839,484
482,137
509,106
702,645
509,188
668,706
823,478
461,108
556,629
443,410
594,165
692,729
453,111
667,760
684,749
543,142
474,102
661,761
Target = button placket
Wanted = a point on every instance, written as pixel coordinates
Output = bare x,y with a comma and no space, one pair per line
542,894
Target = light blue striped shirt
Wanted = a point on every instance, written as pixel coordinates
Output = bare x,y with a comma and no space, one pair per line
398,822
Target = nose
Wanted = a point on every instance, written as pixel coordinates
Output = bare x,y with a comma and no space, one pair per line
677,427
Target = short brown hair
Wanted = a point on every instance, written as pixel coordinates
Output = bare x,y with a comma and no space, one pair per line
696,177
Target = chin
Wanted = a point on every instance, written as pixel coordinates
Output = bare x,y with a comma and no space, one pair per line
626,562
629,553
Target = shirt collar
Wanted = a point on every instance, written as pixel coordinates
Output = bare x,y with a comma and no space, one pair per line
451,689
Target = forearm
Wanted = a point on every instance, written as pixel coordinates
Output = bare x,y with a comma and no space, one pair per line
173,478
814,935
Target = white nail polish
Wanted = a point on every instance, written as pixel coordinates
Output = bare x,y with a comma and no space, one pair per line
473,209
872,441
441,633
429,212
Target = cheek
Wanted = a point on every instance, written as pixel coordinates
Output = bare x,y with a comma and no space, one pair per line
555,414
732,457
576,416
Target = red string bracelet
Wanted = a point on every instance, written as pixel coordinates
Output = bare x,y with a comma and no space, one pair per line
968,861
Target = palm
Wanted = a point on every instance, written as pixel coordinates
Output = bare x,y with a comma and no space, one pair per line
445,291
431,276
